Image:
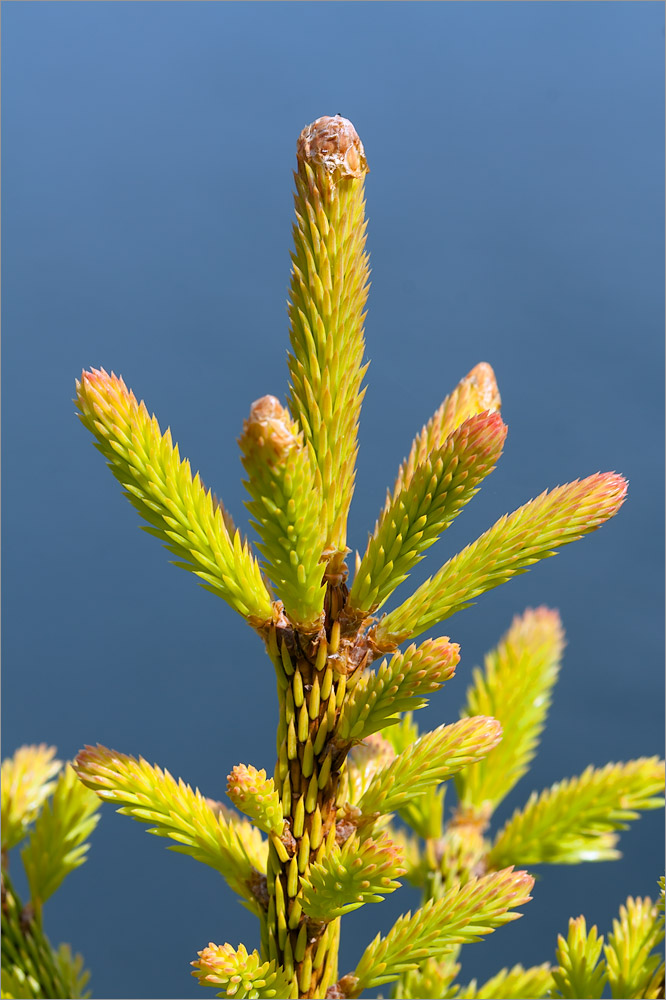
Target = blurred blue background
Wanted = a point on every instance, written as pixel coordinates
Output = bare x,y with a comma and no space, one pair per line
516,217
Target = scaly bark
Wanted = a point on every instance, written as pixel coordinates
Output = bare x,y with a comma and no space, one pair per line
313,673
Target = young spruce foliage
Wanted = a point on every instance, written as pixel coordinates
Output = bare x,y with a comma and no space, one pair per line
319,838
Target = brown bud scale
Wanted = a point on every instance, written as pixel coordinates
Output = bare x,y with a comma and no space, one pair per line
332,143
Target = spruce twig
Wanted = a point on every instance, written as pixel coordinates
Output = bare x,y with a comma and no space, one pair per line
348,752
220,839
515,689
577,819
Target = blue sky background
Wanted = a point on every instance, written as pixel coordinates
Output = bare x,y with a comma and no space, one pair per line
516,217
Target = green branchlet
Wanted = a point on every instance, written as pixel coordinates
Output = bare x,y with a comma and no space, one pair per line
432,980
510,984
31,967
517,541
476,393
242,974
213,835
399,685
176,506
631,963
365,761
515,688
433,758
462,915
27,780
54,816
358,872
286,506
328,294
255,795
438,490
425,813
410,852
634,966
579,973
577,819
57,843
